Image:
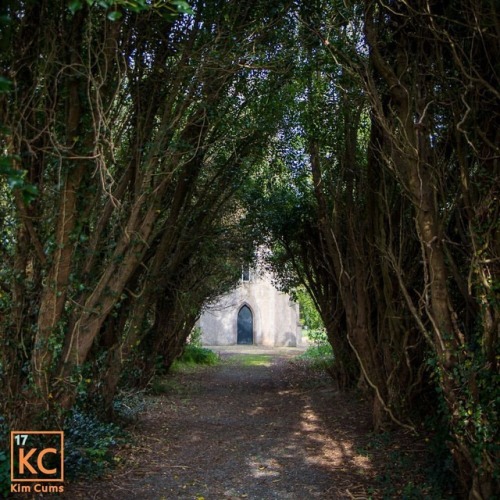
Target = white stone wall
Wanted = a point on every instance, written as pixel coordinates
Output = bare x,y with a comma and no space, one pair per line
275,316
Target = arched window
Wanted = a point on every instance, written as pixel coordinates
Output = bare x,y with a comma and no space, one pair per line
245,326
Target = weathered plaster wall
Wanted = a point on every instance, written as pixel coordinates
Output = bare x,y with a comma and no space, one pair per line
275,316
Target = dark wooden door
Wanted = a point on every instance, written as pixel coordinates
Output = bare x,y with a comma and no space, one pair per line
245,326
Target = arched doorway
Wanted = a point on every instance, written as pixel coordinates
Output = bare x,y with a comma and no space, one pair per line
245,326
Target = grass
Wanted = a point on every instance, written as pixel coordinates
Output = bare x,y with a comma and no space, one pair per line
196,355
250,359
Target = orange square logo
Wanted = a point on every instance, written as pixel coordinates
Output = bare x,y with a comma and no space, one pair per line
36,456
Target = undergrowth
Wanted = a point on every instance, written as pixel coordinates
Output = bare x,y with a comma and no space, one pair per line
89,445
401,460
319,356
196,355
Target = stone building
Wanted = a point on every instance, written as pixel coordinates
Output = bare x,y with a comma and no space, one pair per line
254,313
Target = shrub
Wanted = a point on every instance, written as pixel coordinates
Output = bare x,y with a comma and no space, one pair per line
196,355
319,356
88,445
318,336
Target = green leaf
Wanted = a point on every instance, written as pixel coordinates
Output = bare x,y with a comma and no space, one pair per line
5,19
137,6
5,165
114,15
5,84
31,190
182,6
74,5
29,193
15,182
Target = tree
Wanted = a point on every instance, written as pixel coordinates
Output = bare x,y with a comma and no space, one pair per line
413,107
138,130
394,164
329,225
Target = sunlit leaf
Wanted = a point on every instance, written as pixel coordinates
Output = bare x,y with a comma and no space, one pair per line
182,6
114,15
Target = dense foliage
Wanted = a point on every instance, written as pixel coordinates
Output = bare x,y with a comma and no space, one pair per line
148,147
138,131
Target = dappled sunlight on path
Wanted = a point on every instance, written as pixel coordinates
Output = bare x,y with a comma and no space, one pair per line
244,431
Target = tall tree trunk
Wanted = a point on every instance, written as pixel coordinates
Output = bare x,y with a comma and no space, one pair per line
407,125
55,289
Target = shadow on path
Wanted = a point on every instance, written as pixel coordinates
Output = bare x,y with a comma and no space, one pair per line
244,430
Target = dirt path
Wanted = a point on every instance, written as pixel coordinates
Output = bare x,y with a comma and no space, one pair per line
249,428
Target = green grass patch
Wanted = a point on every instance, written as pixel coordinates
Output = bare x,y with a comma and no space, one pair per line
250,359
